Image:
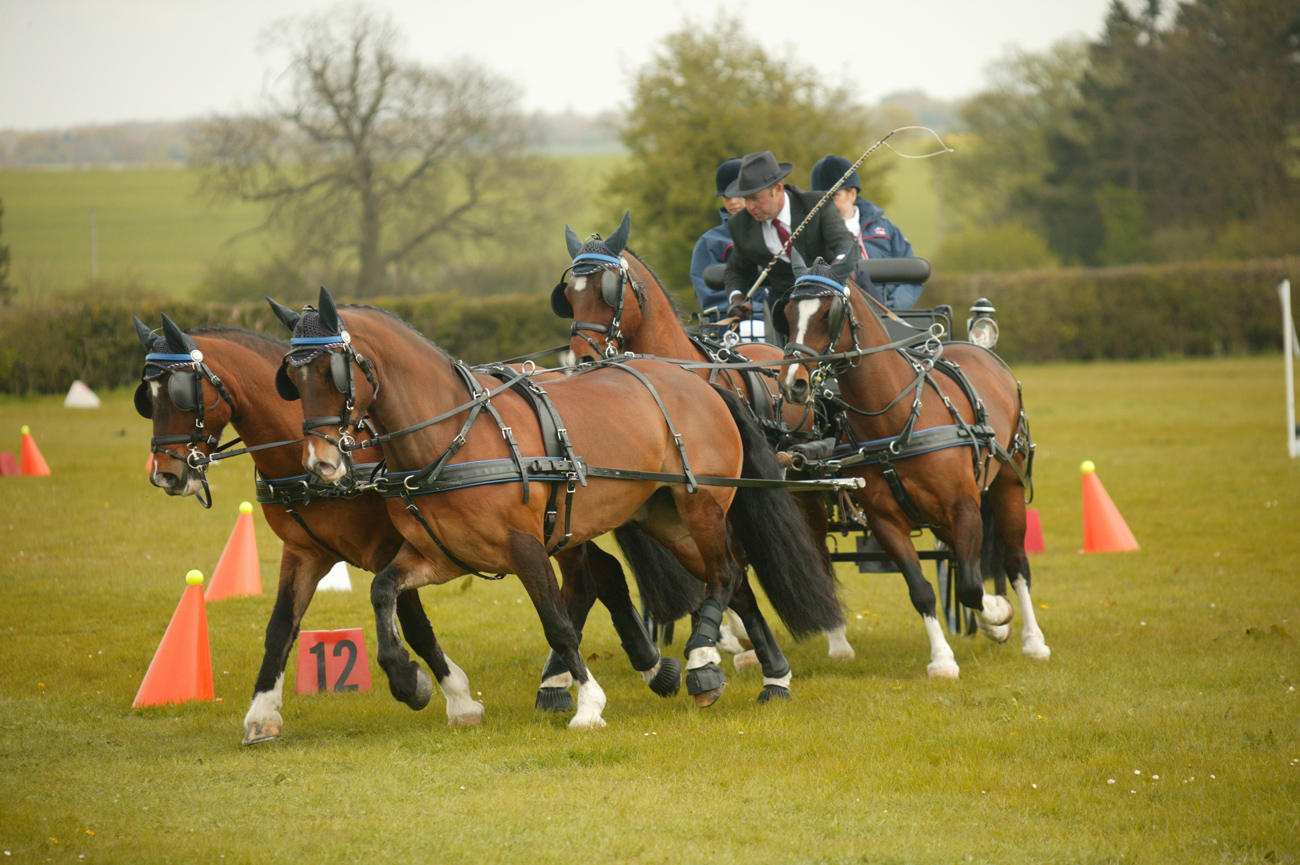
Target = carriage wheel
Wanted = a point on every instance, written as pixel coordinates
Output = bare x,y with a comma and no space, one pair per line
954,614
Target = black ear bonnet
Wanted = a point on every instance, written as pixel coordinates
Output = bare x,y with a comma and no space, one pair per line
596,255
315,331
177,353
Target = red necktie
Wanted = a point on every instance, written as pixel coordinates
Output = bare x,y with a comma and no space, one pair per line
781,235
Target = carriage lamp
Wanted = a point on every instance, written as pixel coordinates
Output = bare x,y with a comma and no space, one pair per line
982,325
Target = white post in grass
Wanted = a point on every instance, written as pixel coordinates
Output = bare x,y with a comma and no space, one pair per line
1290,349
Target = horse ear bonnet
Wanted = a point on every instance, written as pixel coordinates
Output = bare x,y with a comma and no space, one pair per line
329,313
287,316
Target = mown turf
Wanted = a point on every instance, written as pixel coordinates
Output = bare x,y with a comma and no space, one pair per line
1178,661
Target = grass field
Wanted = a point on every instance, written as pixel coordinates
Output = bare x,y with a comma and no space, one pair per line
1165,728
154,229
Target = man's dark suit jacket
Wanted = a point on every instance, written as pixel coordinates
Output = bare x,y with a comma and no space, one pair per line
825,236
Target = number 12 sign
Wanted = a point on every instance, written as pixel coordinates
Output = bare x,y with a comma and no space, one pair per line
332,662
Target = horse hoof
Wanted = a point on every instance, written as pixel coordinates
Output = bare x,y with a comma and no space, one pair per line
773,692
423,690
944,669
705,684
1036,650
255,733
708,698
591,722
554,700
470,718
842,653
669,678
996,633
745,660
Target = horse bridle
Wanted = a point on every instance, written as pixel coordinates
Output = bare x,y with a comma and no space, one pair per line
840,313
185,389
341,372
613,290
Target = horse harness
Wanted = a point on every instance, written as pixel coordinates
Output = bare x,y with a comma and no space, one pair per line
978,435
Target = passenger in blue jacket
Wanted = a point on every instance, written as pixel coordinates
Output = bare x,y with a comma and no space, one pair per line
714,246
879,238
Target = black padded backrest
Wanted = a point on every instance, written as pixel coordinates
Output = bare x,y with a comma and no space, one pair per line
888,271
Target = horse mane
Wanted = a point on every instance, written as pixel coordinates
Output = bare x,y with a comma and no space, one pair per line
672,302
403,322
262,343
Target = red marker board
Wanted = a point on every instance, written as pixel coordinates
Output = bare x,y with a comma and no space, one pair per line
332,662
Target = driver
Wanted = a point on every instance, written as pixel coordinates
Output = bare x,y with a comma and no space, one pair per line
877,236
763,230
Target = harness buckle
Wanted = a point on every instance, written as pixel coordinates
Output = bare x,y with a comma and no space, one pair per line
195,459
507,433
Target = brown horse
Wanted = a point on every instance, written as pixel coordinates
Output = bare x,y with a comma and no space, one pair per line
660,422
972,497
333,528
633,312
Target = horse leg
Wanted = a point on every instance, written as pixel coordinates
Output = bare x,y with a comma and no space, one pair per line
896,540
1009,505
966,536
579,592
462,709
776,670
813,508
663,675
298,578
407,680
696,532
533,567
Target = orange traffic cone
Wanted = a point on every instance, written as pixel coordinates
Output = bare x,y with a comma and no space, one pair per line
32,462
8,465
181,669
1104,530
237,571
1033,531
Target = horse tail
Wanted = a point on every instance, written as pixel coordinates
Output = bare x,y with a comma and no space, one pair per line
668,591
771,528
993,554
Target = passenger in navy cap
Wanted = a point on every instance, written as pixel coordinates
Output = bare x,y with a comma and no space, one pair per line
877,236
715,245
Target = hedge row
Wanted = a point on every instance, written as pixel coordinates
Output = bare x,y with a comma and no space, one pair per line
1191,309
42,349
1131,312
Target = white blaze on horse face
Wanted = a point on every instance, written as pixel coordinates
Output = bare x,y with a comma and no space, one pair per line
155,388
579,283
806,309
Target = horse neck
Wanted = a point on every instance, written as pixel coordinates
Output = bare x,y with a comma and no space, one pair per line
416,382
660,332
259,416
876,378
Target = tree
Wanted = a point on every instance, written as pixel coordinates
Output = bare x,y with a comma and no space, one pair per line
7,289
712,93
370,161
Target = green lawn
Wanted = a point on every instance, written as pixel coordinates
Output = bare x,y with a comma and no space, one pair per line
1173,674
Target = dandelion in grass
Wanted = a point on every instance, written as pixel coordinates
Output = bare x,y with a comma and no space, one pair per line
1110,780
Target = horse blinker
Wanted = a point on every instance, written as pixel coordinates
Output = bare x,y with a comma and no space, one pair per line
143,404
185,391
284,386
559,303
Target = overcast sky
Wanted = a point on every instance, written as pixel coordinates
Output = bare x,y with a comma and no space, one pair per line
73,62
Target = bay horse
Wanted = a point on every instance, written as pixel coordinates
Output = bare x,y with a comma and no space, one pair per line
625,307
972,495
233,384
658,430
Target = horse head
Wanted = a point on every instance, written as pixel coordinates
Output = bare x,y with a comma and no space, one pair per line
594,292
321,370
182,393
815,312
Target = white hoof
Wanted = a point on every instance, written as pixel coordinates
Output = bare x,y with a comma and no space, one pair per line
1033,647
997,610
469,714
996,633
727,641
745,660
591,702
837,645
944,668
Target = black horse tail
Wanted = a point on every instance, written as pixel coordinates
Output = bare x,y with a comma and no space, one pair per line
668,591
771,528
993,554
